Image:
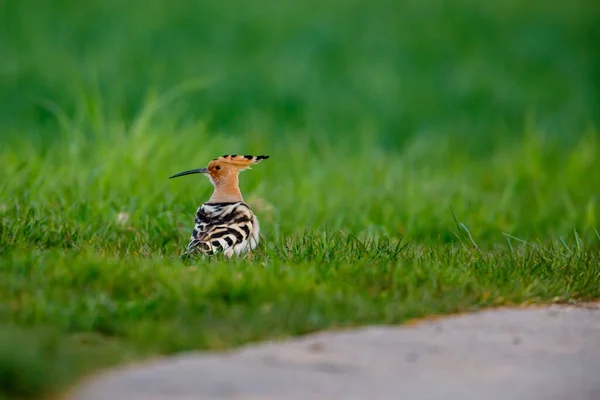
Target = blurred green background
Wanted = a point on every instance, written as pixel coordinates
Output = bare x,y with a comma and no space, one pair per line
394,69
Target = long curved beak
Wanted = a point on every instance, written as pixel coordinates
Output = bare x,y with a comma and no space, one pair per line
191,171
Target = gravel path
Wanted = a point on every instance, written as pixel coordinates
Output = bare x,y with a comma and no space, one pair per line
547,353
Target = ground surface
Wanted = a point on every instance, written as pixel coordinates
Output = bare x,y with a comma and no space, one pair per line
427,157
519,354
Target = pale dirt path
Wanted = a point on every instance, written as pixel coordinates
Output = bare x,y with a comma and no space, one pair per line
545,353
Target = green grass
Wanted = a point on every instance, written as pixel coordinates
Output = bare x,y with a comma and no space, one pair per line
425,158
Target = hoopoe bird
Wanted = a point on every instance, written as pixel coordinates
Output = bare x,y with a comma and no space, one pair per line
225,223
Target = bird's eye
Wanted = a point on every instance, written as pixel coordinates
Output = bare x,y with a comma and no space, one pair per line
218,167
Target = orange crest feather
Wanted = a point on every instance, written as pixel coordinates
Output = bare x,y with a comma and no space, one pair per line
240,161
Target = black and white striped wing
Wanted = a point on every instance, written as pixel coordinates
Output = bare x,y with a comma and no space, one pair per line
221,227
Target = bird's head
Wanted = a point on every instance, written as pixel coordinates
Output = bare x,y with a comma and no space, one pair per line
224,170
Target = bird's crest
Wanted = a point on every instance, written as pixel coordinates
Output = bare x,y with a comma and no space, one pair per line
241,161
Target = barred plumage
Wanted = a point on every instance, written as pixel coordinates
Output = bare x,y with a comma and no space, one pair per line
225,222
228,227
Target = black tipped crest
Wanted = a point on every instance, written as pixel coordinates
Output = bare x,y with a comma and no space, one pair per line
242,161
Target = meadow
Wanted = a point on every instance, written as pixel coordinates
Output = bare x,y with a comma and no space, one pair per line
426,158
